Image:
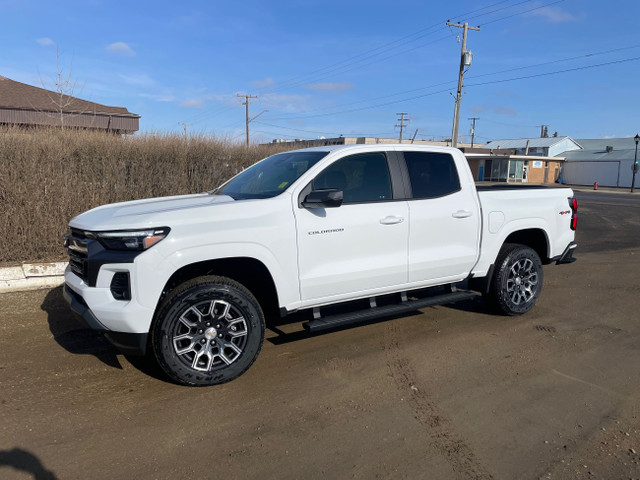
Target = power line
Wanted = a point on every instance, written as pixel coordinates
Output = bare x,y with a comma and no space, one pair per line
575,69
385,134
499,10
356,67
522,13
395,102
471,77
339,66
507,124
401,41
328,70
562,60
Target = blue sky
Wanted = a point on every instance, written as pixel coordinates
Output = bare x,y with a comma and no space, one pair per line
329,68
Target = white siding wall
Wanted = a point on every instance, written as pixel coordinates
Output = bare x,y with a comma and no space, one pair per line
607,174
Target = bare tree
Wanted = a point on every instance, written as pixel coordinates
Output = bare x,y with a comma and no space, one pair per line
62,96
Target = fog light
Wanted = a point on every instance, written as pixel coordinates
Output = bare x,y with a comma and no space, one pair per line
120,286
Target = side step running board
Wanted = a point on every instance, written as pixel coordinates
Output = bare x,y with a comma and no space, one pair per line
333,321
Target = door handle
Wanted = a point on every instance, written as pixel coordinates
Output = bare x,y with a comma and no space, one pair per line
462,214
391,220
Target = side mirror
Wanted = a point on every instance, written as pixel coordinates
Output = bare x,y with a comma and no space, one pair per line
329,198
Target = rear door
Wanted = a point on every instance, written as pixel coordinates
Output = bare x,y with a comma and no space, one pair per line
360,246
444,216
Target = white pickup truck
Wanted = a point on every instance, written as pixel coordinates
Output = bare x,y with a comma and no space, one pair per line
378,229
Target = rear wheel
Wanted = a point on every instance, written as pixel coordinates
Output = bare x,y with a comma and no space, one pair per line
208,331
517,281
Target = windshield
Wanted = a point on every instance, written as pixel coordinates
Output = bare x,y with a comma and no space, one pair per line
271,176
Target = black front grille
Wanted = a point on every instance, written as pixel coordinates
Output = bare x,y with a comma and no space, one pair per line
78,252
87,255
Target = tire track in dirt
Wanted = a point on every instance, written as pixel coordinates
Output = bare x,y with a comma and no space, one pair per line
439,427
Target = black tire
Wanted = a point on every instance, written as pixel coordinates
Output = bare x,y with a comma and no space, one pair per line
517,280
207,331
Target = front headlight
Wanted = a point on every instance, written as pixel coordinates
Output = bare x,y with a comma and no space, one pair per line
131,239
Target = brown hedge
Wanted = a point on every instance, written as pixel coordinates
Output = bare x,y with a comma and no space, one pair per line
48,176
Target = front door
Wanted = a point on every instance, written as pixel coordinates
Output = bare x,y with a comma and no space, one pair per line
359,247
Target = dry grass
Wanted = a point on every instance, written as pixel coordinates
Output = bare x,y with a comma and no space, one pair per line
48,176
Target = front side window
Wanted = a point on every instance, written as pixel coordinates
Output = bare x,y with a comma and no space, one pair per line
271,176
362,178
432,174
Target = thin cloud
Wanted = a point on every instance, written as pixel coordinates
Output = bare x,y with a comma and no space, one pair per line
500,110
554,14
338,87
192,103
288,103
45,42
121,48
264,83
158,97
138,79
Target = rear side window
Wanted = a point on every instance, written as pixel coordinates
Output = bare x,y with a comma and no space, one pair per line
362,178
432,174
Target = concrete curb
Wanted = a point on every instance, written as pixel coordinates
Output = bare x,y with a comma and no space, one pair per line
31,276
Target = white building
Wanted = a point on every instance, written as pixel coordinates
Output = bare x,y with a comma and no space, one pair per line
544,147
608,161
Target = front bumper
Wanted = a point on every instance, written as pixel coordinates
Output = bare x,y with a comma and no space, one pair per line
124,323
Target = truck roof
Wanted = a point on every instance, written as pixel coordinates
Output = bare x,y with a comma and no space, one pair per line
376,146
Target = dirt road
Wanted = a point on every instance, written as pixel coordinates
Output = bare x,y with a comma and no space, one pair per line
445,393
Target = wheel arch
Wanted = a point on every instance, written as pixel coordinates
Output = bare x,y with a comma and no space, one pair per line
535,238
248,271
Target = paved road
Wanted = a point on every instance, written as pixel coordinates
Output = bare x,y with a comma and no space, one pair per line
449,392
619,197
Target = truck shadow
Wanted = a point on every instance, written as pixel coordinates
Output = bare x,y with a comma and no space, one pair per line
282,337
475,305
24,461
70,335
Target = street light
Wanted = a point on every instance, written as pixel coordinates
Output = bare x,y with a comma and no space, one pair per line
635,162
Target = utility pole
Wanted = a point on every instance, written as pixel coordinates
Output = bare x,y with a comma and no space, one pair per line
635,167
473,129
465,61
246,103
544,131
402,121
185,125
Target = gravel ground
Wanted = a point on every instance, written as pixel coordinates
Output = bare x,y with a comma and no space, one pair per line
445,393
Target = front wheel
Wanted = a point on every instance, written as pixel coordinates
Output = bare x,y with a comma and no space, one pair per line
208,331
517,281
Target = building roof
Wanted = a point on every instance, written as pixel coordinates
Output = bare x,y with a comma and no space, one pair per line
20,96
624,143
533,142
595,149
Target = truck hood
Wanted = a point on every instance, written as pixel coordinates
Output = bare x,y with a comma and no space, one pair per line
151,212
